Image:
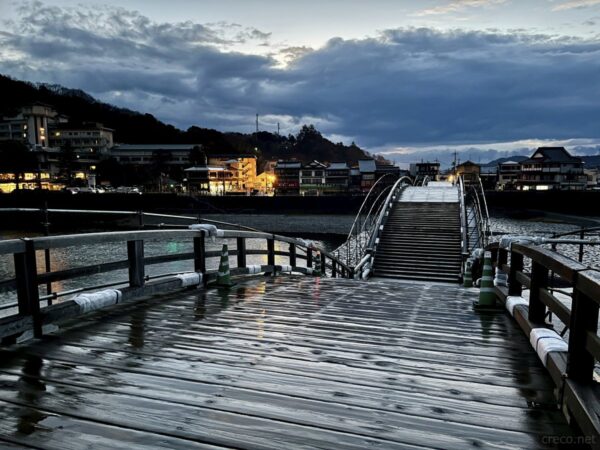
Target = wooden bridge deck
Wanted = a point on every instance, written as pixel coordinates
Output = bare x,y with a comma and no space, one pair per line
282,363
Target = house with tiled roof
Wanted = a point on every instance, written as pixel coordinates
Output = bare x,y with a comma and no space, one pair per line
552,168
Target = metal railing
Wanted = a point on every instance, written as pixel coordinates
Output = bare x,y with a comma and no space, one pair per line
33,316
464,220
362,268
368,221
475,218
583,239
139,215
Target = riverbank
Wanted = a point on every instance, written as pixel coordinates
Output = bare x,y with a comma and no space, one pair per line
579,203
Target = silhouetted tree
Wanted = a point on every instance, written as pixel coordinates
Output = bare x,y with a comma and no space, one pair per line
197,156
67,162
160,166
112,171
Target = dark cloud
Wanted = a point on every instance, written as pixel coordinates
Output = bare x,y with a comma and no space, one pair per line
405,86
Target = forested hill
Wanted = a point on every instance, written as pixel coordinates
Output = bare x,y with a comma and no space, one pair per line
132,127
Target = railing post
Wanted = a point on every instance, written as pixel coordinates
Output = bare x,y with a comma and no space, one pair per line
584,320
333,269
494,252
135,255
516,265
241,252
47,263
200,255
271,252
502,258
323,262
539,279
140,215
309,257
582,237
293,255
27,287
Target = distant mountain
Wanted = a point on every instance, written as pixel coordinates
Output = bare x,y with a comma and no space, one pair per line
495,162
132,127
590,161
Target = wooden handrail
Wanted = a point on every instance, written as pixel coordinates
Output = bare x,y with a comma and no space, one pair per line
581,319
28,277
573,370
11,246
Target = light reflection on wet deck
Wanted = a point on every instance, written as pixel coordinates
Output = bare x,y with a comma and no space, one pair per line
285,362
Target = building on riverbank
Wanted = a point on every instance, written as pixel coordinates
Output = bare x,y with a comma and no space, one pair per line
469,171
312,178
31,125
337,178
551,168
508,174
287,177
425,169
88,139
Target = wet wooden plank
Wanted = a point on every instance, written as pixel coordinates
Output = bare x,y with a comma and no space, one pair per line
281,352
278,405
320,346
285,362
34,427
313,427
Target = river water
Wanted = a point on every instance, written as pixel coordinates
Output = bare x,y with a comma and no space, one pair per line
327,231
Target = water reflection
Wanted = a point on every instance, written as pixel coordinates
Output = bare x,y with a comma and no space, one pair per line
487,319
200,305
223,294
137,325
31,390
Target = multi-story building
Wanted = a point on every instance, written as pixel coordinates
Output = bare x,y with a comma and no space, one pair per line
337,178
508,174
388,173
242,168
146,154
552,168
287,177
593,178
209,180
367,168
489,177
31,125
89,139
312,178
354,180
469,171
425,169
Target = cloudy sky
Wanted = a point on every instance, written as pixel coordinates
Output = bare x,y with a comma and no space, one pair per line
411,79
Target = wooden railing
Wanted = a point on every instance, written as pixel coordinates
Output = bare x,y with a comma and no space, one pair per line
32,315
573,370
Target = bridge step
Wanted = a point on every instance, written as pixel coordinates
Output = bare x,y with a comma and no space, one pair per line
420,241
403,243
418,276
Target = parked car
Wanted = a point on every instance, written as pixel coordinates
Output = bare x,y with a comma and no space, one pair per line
128,190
